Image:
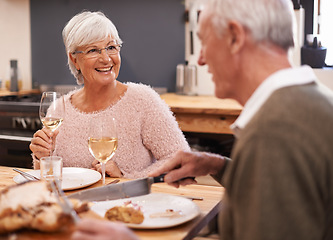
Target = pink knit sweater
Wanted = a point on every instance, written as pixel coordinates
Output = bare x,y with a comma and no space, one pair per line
148,133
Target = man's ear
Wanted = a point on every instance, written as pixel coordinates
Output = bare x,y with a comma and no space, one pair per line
237,34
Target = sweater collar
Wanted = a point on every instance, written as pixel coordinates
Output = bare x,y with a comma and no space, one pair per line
280,79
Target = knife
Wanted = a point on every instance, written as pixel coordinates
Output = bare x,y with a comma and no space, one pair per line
127,189
62,200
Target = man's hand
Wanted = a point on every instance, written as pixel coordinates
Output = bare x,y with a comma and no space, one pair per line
189,164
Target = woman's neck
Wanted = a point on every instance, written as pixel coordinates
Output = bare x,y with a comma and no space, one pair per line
97,98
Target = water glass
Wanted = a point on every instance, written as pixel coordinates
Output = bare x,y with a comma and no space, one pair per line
51,168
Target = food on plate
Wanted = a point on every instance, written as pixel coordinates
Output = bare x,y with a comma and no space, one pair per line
169,213
128,213
33,205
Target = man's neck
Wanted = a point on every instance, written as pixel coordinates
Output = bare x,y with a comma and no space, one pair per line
260,62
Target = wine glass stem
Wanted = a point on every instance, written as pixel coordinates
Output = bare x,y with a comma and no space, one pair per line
103,172
52,147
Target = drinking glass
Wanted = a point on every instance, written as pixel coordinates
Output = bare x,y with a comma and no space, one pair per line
51,169
52,110
102,140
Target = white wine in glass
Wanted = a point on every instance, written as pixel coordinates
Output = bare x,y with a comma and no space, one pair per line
52,110
52,123
102,141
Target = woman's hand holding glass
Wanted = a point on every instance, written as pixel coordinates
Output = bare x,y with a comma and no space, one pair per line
51,113
43,142
111,168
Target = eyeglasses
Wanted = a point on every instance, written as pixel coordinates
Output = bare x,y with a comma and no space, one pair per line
95,53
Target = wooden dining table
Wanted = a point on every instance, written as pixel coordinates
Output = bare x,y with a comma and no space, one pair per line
209,207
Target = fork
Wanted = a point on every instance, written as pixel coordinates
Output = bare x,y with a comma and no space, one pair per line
63,201
27,176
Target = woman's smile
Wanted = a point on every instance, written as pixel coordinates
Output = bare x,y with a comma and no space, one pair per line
104,69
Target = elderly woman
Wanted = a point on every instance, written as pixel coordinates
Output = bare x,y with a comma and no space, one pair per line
148,133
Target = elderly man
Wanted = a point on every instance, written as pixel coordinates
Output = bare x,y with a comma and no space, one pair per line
279,183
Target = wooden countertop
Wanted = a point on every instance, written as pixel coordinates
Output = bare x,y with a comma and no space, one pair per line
4,92
203,114
201,104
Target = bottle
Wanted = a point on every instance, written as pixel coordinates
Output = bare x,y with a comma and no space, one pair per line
180,78
13,81
13,76
190,80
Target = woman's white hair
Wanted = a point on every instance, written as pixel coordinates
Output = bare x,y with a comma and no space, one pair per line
267,20
83,29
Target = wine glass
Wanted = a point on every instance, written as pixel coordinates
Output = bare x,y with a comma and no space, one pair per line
52,110
103,140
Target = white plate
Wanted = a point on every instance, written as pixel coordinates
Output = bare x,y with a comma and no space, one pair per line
151,204
72,178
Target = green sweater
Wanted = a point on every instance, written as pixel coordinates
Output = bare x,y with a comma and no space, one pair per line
280,182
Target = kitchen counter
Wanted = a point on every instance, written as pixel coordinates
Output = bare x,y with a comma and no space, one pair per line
203,114
200,114
4,92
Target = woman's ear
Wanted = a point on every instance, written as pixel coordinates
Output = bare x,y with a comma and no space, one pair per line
74,60
237,35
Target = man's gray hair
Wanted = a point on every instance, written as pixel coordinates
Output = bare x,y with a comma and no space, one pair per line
83,29
267,20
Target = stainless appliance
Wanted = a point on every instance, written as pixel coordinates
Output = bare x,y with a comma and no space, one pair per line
186,82
19,120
